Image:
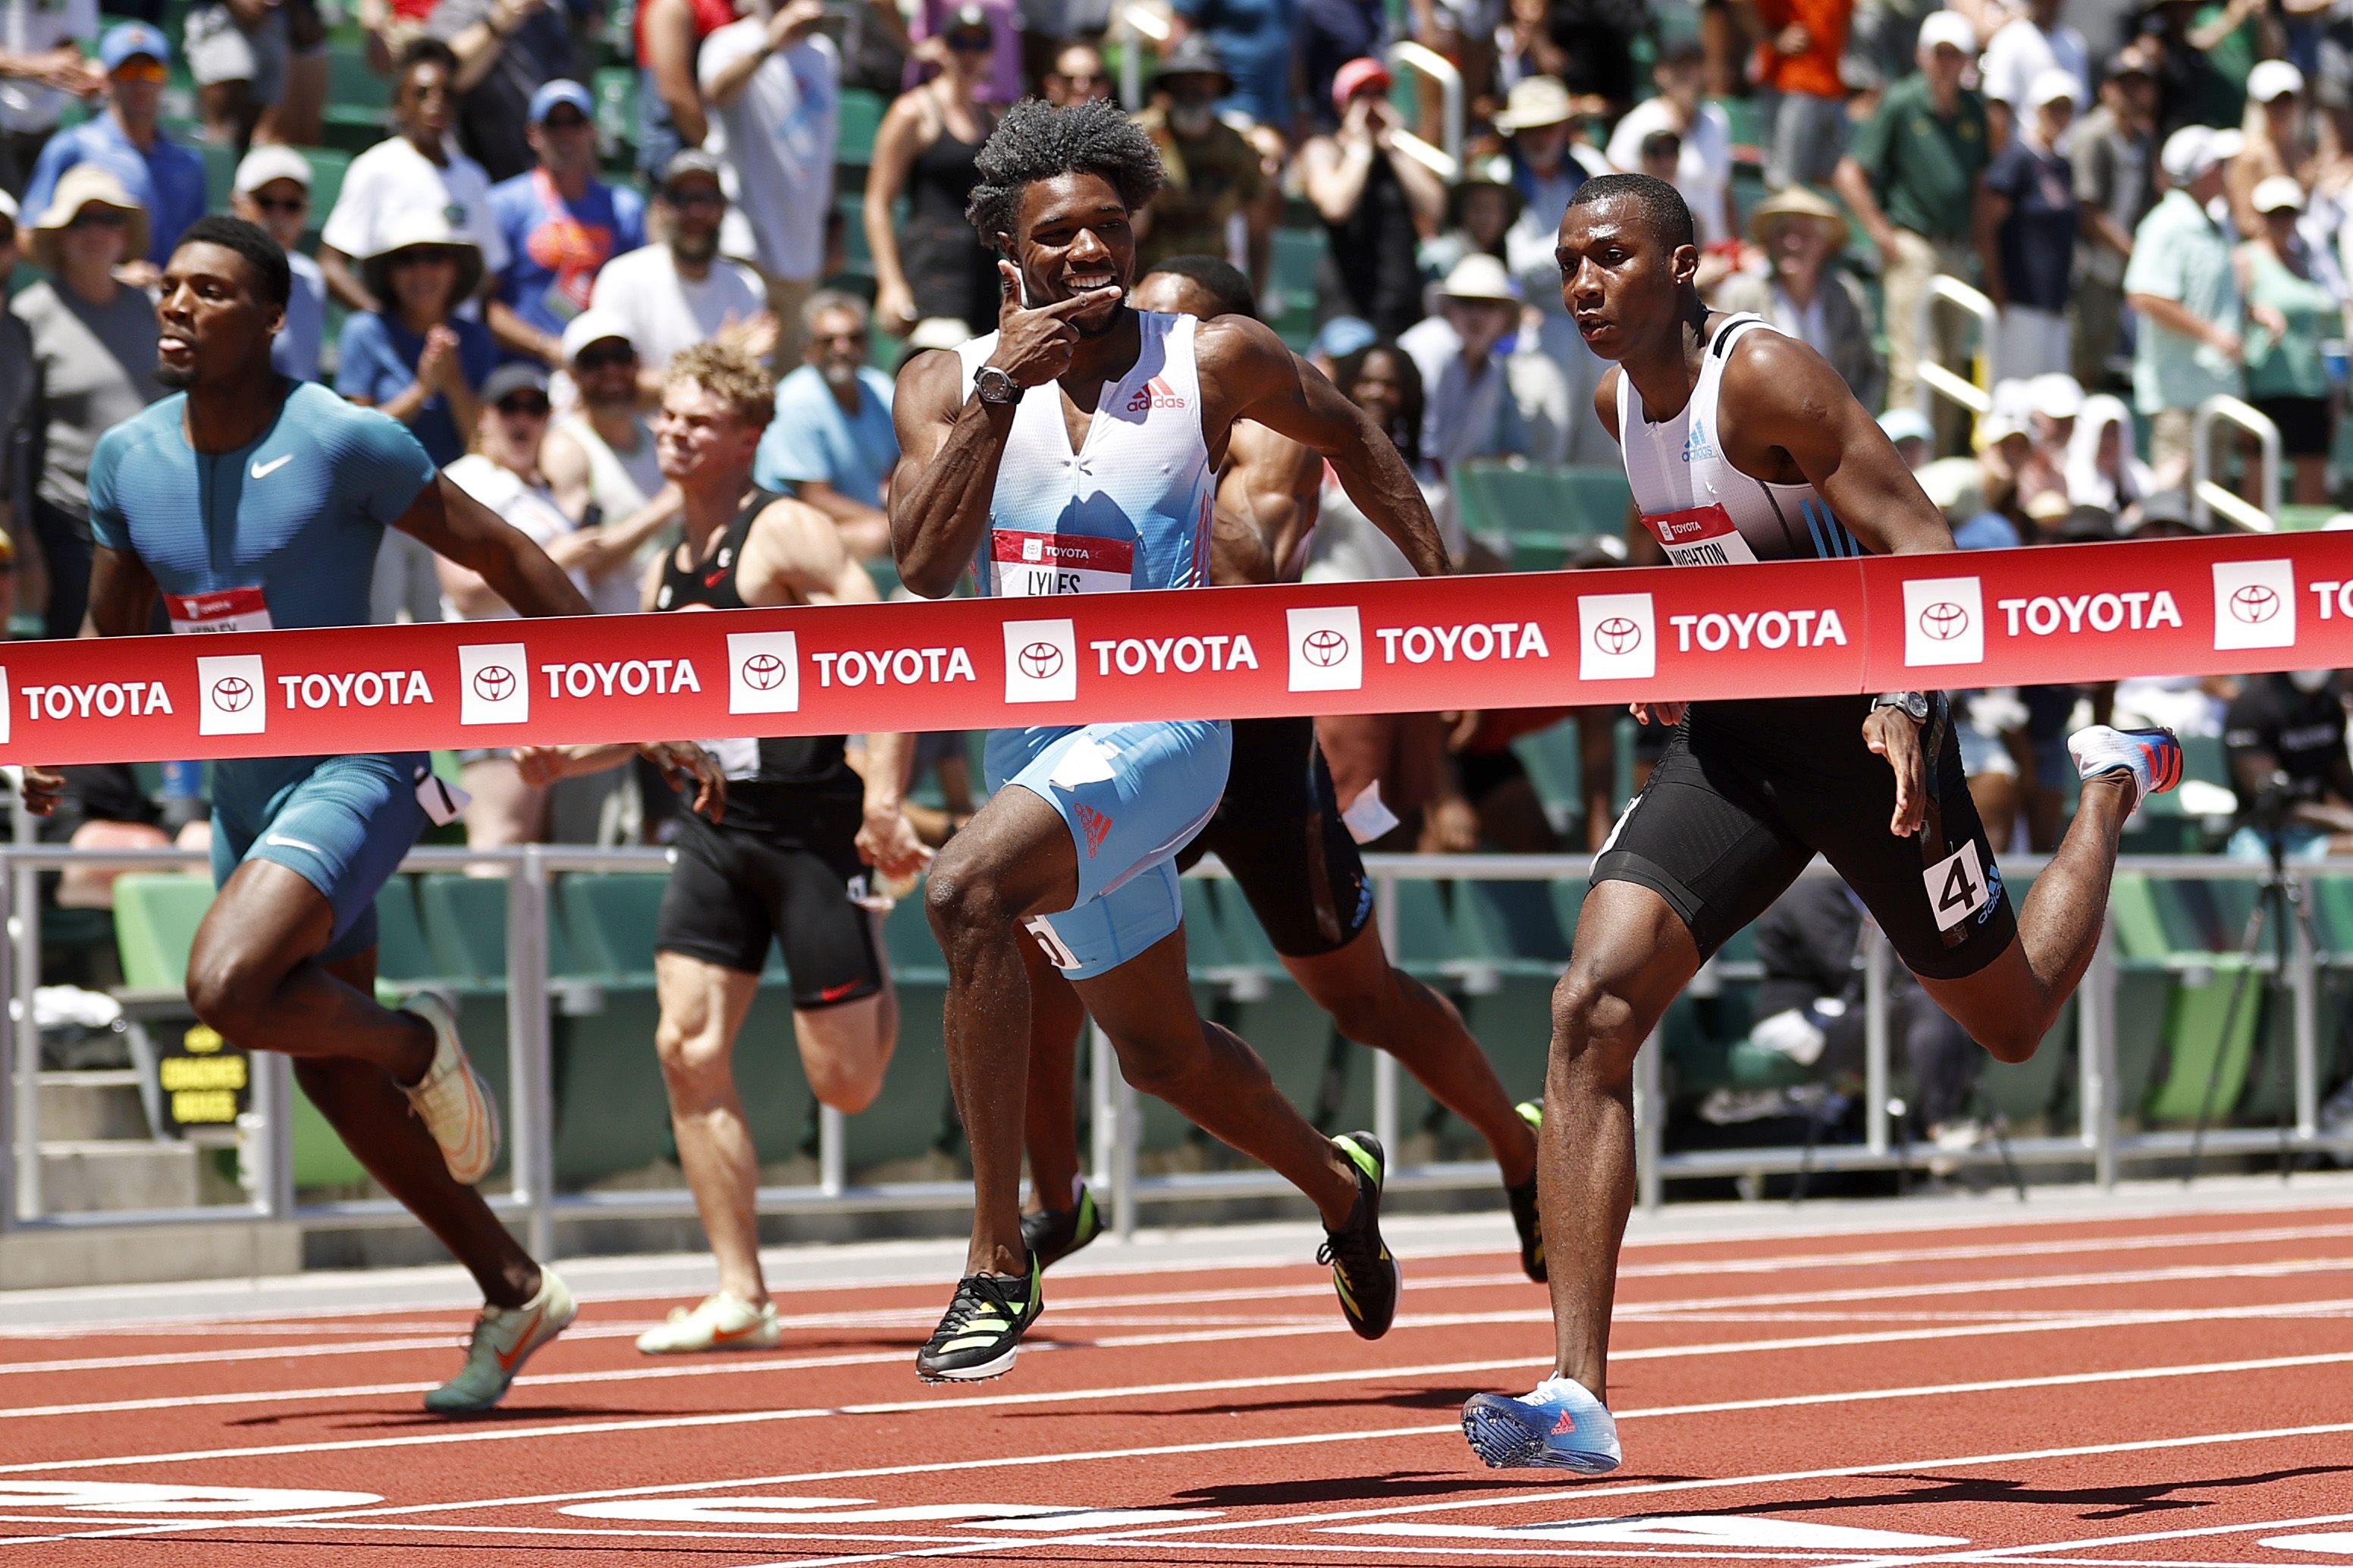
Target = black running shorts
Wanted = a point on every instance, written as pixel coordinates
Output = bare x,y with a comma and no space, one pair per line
737,887
1747,792
1279,831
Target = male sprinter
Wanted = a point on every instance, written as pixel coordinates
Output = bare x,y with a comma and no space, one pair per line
250,502
1087,435
1278,832
785,865
1743,445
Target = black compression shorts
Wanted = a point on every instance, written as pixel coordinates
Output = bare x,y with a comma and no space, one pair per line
1747,792
736,888
1279,831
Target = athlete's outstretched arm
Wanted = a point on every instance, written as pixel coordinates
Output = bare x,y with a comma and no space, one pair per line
1250,373
453,524
1780,394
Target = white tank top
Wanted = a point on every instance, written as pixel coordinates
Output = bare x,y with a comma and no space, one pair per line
1702,510
621,487
1130,507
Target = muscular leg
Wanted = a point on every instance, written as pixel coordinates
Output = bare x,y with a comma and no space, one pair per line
845,1049
1378,1004
1052,1134
702,1007
363,1105
1633,956
253,975
2009,1005
1207,1072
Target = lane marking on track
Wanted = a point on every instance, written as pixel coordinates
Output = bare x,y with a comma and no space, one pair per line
1857,1396
1692,1308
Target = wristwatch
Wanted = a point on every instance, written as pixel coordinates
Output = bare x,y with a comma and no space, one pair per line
1914,703
994,385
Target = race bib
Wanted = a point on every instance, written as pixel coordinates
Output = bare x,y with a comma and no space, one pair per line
1039,565
1703,536
222,610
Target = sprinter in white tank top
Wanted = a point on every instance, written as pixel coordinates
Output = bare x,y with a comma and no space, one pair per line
1075,451
1745,446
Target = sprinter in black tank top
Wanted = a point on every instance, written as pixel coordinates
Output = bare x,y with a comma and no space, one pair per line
789,862
1747,792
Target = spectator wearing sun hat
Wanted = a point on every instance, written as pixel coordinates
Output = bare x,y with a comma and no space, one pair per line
273,189
2183,283
2027,222
560,225
165,178
1374,198
1803,290
602,462
1214,174
417,359
2295,302
1483,400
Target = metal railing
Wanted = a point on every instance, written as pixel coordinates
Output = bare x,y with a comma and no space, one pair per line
2206,496
533,1201
1429,62
1936,378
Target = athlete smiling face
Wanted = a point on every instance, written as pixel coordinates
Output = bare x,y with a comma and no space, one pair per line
215,317
1073,236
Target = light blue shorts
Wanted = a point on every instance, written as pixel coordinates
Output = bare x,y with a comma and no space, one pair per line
1132,795
341,824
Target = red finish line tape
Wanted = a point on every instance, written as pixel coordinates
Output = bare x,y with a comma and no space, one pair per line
2075,613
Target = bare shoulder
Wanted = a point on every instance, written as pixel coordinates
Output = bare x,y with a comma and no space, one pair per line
1605,401
1777,378
1227,344
930,383
789,524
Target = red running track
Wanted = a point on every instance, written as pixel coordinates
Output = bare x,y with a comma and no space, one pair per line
2080,1392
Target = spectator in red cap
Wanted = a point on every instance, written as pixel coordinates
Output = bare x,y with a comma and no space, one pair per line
1374,199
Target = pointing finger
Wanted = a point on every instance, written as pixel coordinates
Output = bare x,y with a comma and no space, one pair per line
1077,302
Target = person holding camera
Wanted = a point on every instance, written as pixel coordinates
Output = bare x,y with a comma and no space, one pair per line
2285,735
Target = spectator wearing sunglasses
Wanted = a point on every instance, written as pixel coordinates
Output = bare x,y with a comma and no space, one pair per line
601,462
560,223
93,359
272,189
678,292
928,149
933,30
165,178
832,442
1077,77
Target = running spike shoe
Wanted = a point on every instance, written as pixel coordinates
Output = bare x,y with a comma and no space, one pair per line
504,1339
719,1322
982,1331
1560,1426
1052,1235
2153,757
1523,1199
451,1098
1364,1275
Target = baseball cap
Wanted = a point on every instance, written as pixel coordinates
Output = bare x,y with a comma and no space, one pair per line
2278,194
1948,27
2052,85
514,377
2273,78
593,326
1901,425
552,93
126,39
1354,77
691,162
2055,395
270,161
1342,336
2194,149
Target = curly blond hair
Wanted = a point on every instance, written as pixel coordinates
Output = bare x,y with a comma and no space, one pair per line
743,382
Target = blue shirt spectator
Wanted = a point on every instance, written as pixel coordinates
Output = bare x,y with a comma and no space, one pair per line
162,175
1254,42
295,351
379,357
560,225
832,442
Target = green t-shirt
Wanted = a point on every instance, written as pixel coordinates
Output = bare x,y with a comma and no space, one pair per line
1922,166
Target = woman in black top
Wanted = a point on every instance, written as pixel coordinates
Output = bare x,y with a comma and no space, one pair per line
928,148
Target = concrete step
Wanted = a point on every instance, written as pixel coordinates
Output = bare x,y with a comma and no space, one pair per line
37,1257
78,1177
93,1107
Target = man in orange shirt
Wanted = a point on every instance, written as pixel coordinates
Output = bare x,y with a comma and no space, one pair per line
1800,44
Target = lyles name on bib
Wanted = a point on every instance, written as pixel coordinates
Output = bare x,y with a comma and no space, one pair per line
1041,565
218,610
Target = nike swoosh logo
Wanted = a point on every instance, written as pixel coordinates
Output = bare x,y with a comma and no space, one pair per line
280,841
835,993
728,1336
510,1360
263,470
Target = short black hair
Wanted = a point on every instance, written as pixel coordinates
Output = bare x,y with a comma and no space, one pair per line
273,281
1036,141
1221,279
1663,207
424,51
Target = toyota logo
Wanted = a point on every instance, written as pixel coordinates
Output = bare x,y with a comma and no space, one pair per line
1943,622
1617,635
1324,648
233,695
1040,660
2254,604
763,672
494,683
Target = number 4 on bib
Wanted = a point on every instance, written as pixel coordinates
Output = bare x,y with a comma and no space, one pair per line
1957,886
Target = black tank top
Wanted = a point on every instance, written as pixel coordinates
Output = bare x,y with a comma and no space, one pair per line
940,182
798,761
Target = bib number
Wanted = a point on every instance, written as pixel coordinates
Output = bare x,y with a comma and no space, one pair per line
1042,566
222,610
1957,887
1700,536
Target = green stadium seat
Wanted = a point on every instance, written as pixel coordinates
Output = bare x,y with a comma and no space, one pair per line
616,87
862,118
914,1115
610,915
155,918
402,951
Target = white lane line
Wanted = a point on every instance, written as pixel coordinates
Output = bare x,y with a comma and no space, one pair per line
1853,1396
